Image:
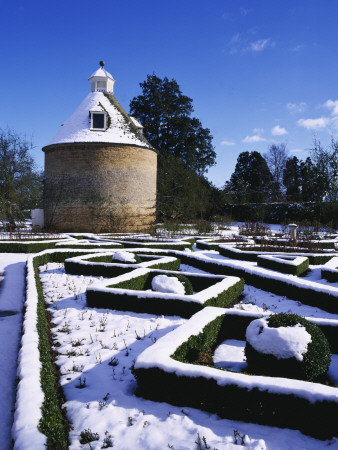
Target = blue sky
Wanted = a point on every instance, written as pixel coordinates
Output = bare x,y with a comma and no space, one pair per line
258,71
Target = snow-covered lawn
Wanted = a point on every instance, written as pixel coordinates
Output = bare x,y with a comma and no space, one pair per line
97,350
12,291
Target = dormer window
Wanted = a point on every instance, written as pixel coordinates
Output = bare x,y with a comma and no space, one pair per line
98,119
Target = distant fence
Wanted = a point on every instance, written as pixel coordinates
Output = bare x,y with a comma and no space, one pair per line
27,236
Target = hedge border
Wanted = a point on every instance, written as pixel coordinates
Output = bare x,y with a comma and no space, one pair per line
330,270
103,266
246,255
290,288
36,247
158,245
127,293
328,244
26,247
53,423
292,267
235,397
91,245
212,244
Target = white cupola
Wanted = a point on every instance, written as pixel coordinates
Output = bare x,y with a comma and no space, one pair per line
102,81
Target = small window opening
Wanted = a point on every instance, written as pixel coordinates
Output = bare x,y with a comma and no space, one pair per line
101,85
98,121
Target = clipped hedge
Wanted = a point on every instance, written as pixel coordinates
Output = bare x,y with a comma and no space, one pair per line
330,270
26,247
188,289
310,244
81,245
316,360
288,288
159,245
275,262
251,254
113,295
36,247
213,244
136,258
103,265
232,396
53,423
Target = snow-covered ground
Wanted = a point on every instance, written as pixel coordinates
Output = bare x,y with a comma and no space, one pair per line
97,351
12,294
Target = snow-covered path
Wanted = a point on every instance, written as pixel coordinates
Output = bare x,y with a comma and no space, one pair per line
12,296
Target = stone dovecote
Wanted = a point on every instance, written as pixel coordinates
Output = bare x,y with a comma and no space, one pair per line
100,171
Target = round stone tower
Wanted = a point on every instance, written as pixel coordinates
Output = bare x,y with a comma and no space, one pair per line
100,171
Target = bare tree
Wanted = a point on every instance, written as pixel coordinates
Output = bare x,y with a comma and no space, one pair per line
18,178
325,170
276,158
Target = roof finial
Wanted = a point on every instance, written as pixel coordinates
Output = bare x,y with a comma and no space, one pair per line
102,63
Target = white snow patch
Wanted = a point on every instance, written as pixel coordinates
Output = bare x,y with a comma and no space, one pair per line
230,355
124,256
282,342
170,285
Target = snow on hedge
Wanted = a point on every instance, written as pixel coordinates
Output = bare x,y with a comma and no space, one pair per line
331,265
124,256
199,297
266,273
29,396
159,356
289,260
170,285
82,259
282,342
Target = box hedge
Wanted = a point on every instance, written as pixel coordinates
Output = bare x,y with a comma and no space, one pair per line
174,362
250,254
313,364
330,270
293,265
103,265
128,293
53,422
309,293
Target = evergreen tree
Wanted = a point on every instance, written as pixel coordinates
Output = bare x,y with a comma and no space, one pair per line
251,180
292,179
182,194
307,172
165,114
185,149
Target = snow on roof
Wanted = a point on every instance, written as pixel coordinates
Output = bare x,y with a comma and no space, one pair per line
121,129
136,122
101,72
97,108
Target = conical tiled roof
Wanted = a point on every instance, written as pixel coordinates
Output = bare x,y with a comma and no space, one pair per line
120,130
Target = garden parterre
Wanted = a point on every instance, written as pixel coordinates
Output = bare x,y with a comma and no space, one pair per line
96,357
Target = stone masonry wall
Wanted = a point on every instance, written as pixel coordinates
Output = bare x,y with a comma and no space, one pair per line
93,187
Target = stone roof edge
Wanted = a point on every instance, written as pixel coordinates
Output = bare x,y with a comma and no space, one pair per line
100,144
